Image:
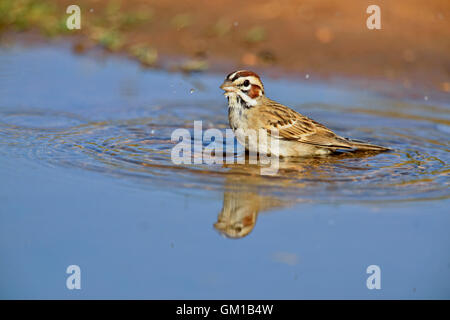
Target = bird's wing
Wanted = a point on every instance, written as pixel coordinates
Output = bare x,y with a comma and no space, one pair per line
293,126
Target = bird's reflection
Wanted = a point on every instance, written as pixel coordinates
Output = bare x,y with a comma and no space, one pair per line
240,211
246,191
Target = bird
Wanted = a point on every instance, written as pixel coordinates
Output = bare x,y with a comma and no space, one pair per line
249,111
242,204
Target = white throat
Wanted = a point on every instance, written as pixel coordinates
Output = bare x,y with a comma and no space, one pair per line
233,99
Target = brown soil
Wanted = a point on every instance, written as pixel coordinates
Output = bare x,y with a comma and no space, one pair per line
324,37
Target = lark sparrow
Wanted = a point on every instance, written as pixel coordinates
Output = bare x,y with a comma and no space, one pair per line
241,205
250,110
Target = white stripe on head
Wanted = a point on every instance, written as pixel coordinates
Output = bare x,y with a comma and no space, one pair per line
252,79
231,76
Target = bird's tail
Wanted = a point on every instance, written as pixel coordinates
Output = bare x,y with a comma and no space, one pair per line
364,146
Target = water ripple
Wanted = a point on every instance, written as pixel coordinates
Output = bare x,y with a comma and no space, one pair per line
138,150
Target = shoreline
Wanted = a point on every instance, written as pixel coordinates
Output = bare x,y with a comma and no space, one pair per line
388,88
324,38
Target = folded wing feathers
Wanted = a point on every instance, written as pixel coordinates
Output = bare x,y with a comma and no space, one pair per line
294,126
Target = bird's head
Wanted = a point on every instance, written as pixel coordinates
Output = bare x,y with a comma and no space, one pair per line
243,84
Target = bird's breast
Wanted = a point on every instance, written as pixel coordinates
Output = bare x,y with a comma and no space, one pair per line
237,114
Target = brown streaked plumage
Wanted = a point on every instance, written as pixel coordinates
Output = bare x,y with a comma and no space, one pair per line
249,109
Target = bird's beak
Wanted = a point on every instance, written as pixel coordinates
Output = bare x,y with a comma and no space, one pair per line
228,86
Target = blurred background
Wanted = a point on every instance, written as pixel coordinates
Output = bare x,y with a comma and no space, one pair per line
327,37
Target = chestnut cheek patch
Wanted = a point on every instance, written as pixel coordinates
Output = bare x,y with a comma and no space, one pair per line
254,91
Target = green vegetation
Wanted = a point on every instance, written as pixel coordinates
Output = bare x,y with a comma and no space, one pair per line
146,55
45,16
181,21
115,17
22,15
110,27
194,66
255,34
221,28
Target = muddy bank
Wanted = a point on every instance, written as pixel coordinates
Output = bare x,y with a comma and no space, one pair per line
325,38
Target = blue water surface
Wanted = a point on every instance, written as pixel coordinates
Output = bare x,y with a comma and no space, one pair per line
135,237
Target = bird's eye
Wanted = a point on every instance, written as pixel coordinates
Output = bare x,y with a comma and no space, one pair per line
246,83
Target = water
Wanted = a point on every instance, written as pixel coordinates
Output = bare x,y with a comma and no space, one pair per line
87,179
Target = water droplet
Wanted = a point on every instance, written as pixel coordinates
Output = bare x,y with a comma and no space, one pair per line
192,90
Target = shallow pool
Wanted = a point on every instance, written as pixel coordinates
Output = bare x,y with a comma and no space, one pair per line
87,179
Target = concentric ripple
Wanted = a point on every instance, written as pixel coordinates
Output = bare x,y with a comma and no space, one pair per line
116,120
139,151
